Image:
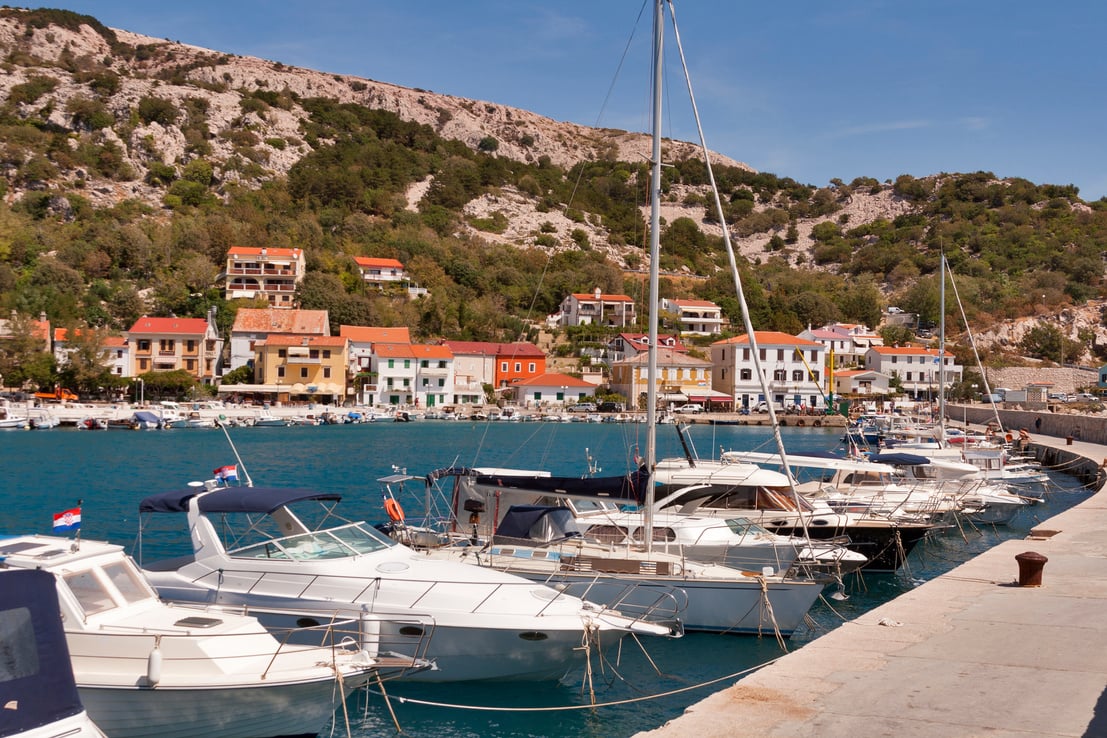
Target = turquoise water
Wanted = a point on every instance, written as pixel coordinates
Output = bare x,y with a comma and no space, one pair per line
49,471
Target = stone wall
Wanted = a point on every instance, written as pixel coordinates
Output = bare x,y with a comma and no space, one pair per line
1064,379
1091,428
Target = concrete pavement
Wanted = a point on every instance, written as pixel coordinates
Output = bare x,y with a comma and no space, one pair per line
967,654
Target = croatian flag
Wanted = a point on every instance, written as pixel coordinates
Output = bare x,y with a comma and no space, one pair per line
68,521
227,473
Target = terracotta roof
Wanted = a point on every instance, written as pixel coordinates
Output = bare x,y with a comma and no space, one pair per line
368,262
554,379
118,341
664,340
371,334
288,339
431,351
769,338
269,320
170,326
591,297
487,348
693,303
906,351
394,351
666,357
263,250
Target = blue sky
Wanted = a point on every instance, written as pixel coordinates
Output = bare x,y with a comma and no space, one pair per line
812,91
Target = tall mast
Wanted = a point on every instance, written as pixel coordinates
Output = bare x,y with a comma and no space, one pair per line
655,249
942,351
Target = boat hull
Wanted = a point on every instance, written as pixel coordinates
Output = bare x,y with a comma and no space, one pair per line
297,709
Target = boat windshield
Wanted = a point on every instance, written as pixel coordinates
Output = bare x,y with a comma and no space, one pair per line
335,543
744,526
100,589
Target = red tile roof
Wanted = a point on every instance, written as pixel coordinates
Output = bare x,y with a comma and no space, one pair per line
270,320
263,251
769,338
371,334
170,326
553,380
370,262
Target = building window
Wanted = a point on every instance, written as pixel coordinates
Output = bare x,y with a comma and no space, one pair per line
780,354
280,372
532,367
303,372
391,363
143,345
190,346
282,353
797,375
313,353
424,364
779,375
518,367
166,344
441,382
503,367
442,364
746,375
407,363
761,354
326,372
326,353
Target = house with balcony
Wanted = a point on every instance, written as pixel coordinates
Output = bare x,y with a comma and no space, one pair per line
302,368
846,343
114,350
693,317
921,370
793,368
256,324
861,383
434,375
396,370
271,273
168,344
597,309
628,345
679,378
553,389
500,365
385,274
362,340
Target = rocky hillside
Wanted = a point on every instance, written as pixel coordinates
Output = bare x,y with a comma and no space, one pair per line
71,63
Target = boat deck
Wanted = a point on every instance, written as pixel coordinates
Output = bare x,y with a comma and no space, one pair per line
970,653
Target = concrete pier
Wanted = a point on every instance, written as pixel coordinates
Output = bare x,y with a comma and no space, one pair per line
970,653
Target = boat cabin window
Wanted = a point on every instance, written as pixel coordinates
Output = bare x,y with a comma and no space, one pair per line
128,581
744,527
90,592
337,543
20,656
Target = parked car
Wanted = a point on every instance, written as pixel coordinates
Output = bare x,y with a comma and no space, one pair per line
583,407
610,407
691,407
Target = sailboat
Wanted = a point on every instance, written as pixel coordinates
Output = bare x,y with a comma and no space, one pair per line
718,598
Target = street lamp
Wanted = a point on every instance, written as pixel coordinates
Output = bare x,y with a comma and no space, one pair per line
141,391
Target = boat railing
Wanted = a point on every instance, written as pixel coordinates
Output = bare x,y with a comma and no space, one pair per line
365,593
659,604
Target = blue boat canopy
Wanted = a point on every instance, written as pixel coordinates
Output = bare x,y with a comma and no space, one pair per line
899,459
233,499
147,417
37,676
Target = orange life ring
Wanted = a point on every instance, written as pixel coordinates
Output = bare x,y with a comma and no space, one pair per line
395,512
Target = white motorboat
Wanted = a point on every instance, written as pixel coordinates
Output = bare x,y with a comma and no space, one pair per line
146,668
266,419
250,548
543,543
734,541
40,698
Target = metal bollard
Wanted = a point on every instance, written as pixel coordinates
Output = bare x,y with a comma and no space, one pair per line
1030,568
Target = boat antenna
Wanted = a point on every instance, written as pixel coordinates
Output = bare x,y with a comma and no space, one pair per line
245,474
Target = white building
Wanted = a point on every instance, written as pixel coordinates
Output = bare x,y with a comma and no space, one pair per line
695,317
793,368
861,382
256,324
917,368
848,341
597,309
551,389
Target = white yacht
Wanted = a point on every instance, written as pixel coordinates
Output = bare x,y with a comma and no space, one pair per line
146,668
249,547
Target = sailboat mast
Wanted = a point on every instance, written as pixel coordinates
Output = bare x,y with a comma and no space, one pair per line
942,351
655,250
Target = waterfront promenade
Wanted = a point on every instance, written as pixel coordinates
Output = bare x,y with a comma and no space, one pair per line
967,654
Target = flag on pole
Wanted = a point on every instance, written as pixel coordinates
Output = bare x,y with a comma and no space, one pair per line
68,521
227,473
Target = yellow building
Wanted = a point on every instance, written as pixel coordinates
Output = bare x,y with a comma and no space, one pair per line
303,368
680,378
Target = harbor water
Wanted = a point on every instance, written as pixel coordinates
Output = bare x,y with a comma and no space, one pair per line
634,686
